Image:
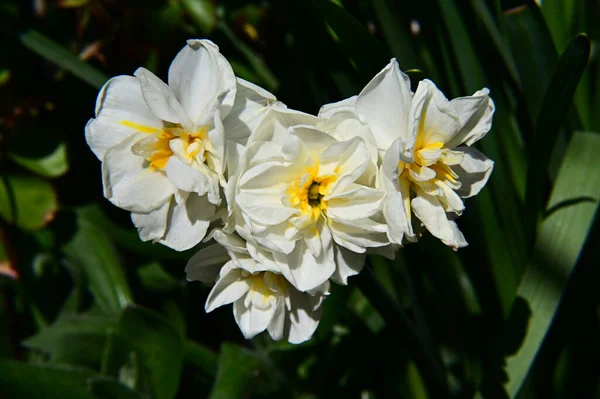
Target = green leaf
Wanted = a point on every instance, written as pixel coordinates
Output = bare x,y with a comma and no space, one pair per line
26,381
552,115
201,357
52,165
237,371
496,204
533,51
367,53
396,35
159,346
155,278
571,210
40,44
202,13
497,39
93,251
76,339
26,201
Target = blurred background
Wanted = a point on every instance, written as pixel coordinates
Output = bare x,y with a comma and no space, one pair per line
89,311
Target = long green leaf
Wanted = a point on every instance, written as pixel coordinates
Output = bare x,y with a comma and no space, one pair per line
571,210
533,51
93,251
367,53
552,115
396,35
57,54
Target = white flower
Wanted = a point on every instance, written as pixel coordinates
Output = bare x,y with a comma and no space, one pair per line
163,146
261,296
425,168
309,198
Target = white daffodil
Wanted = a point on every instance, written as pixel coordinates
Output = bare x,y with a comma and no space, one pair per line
426,168
163,146
309,198
261,296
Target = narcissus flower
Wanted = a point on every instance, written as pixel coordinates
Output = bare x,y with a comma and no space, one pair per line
309,198
163,146
262,298
426,169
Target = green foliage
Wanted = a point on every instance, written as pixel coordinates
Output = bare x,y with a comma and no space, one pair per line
90,311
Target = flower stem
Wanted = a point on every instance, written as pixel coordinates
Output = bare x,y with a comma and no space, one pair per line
425,357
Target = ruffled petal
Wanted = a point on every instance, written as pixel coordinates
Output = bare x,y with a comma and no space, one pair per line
427,209
188,223
385,104
161,100
120,112
128,181
229,288
202,80
473,172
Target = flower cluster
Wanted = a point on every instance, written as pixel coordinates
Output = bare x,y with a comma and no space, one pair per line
291,200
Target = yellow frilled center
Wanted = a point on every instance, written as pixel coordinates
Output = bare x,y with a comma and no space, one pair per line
425,158
264,288
161,150
307,192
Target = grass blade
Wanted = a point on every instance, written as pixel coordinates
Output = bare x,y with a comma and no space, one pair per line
571,211
554,109
57,54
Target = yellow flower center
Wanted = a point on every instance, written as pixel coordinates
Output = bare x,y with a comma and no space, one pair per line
264,288
160,151
307,192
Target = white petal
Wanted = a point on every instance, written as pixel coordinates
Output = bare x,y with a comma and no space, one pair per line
348,264
216,137
120,112
307,271
249,109
231,242
329,110
396,209
161,100
205,264
435,120
128,181
429,210
152,225
473,172
275,327
188,223
251,320
345,126
275,126
476,113
313,140
348,159
186,178
358,235
303,317
385,103
273,237
464,119
356,203
202,79
229,288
